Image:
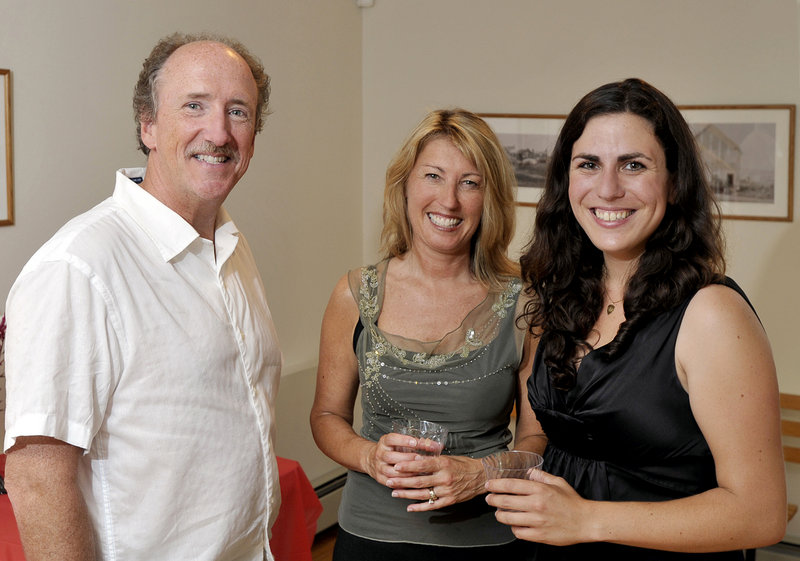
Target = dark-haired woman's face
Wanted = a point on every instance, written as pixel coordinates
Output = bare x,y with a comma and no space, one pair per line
618,183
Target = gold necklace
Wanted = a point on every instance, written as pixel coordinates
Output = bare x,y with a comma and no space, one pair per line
611,307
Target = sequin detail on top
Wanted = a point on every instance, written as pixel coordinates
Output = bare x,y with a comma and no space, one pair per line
390,362
369,307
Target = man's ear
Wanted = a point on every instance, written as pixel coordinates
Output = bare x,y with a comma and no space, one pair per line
148,132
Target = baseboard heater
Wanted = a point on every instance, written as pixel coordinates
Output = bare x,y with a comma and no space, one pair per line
330,486
329,494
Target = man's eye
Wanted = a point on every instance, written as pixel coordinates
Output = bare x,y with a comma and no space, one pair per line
238,113
193,105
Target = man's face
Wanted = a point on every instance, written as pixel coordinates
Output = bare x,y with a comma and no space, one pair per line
202,137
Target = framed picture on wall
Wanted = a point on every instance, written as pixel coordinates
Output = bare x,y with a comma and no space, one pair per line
6,186
528,140
748,151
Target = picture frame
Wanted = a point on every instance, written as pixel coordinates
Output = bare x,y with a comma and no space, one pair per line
6,177
748,151
756,184
528,140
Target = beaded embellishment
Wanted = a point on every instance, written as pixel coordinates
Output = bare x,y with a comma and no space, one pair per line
369,308
385,361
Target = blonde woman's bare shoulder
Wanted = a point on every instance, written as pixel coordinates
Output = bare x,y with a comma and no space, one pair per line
342,303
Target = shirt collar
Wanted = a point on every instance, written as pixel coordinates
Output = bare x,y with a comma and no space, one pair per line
169,232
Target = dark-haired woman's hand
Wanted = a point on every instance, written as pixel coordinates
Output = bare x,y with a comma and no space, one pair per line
544,509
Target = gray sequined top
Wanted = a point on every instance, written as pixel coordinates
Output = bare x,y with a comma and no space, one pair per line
466,381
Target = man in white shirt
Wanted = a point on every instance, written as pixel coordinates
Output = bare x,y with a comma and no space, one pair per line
142,362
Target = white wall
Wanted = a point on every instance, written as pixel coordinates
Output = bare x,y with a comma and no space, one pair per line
537,56
348,85
523,56
73,67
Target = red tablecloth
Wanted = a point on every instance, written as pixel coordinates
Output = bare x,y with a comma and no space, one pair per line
292,534
10,546
294,529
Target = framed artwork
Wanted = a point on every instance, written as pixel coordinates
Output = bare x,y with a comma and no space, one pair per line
6,185
528,140
748,151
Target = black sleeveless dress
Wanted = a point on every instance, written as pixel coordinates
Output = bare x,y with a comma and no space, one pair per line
625,432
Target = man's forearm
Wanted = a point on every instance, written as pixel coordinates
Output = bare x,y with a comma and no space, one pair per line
53,527
51,514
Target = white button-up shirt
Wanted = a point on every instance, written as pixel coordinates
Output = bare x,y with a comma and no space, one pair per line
153,349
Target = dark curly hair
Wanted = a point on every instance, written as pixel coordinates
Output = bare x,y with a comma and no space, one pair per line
564,270
145,98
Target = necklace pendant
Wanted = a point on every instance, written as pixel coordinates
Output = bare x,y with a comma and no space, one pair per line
610,309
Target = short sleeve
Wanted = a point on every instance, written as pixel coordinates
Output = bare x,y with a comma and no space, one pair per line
62,353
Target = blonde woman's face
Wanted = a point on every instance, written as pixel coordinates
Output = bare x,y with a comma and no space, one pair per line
445,194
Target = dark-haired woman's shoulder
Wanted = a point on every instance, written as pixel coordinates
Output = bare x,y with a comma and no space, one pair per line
724,361
722,305
718,321
722,346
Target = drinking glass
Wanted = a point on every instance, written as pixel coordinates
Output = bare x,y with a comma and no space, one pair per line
516,464
431,437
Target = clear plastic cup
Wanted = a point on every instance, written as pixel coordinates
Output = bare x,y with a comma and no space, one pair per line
431,437
517,464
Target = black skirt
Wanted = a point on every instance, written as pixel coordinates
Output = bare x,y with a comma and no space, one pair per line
353,548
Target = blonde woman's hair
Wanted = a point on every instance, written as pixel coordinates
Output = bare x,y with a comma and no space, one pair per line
477,142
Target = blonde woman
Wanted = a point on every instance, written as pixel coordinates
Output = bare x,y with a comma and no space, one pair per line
429,333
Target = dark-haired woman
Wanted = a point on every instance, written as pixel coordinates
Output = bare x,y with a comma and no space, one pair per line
653,379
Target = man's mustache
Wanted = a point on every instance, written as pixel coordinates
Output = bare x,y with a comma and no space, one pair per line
212,149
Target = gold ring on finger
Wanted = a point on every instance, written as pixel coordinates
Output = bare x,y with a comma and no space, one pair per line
432,498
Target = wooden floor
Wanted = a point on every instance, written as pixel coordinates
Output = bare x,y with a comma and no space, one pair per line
322,550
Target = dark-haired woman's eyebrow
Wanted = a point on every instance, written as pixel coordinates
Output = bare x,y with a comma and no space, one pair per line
633,156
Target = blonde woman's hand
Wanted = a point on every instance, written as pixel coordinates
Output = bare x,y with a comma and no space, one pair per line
384,455
437,481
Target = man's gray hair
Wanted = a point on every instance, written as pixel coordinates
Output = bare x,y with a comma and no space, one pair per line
145,98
